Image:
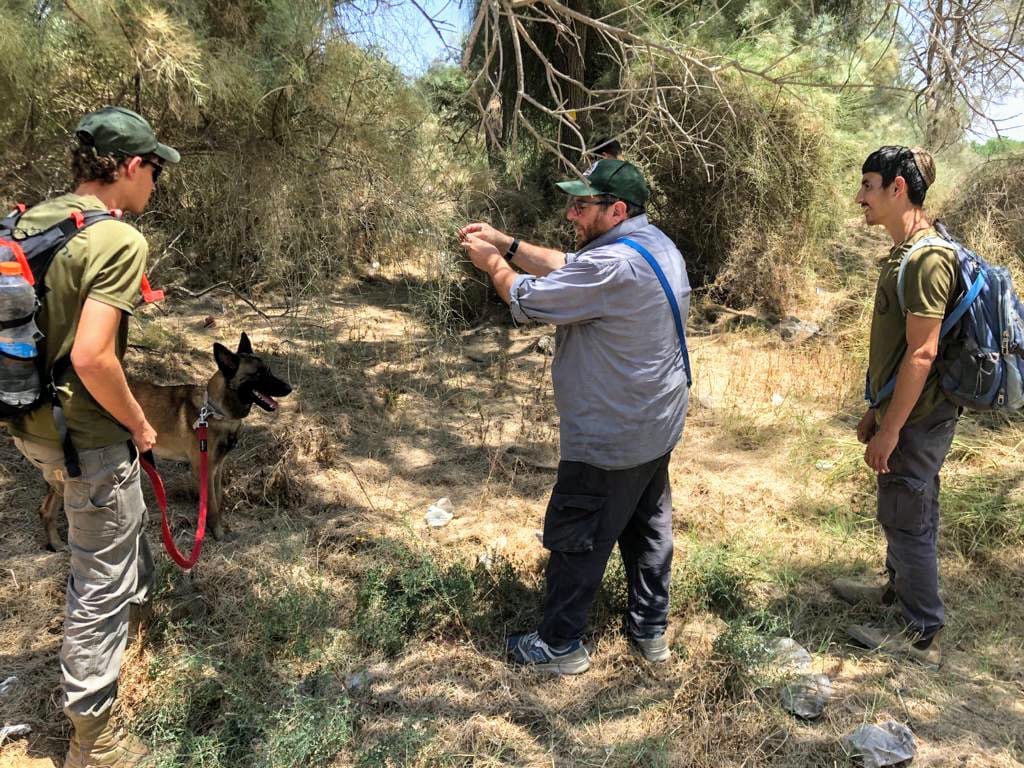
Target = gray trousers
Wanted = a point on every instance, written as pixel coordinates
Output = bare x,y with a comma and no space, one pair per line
111,567
908,510
590,510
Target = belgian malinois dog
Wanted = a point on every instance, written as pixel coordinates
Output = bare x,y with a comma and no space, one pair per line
242,380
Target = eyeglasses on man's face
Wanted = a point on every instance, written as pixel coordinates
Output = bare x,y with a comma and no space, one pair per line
576,204
157,168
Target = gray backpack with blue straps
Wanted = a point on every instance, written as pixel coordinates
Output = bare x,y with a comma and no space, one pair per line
981,348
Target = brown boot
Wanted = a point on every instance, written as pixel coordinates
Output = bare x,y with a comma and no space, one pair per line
97,743
928,653
854,591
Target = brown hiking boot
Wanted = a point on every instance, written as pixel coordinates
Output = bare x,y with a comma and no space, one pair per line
928,653
97,743
853,592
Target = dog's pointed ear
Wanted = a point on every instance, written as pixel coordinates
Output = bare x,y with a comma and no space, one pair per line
227,361
244,345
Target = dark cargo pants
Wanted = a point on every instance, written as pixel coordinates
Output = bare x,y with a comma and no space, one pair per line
590,510
908,510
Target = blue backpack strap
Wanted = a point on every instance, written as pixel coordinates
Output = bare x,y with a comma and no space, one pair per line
673,304
884,393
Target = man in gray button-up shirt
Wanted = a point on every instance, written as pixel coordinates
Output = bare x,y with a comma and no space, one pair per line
620,376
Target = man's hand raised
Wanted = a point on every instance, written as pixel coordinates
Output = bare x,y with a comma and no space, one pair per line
488,234
484,255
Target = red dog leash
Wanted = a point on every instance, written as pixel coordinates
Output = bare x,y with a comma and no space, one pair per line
149,465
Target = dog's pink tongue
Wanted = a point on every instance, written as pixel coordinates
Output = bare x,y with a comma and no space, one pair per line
267,399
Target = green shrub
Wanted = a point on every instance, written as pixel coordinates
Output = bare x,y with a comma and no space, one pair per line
987,212
982,512
218,715
303,156
292,618
714,579
307,731
748,208
397,749
409,596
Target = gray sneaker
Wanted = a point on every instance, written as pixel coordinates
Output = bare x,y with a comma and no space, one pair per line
529,650
653,649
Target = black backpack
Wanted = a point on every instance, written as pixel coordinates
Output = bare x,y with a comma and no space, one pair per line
36,252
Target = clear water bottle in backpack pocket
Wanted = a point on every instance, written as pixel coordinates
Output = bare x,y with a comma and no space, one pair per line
19,372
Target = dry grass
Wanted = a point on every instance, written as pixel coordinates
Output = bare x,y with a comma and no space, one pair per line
988,212
250,658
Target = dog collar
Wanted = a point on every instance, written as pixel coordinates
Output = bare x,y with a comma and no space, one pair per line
209,410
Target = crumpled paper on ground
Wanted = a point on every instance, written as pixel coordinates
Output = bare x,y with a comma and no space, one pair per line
807,696
786,653
10,731
881,745
440,513
8,685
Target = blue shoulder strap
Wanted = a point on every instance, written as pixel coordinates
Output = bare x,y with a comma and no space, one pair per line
671,301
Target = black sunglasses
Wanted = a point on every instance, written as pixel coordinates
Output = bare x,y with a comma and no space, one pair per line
157,168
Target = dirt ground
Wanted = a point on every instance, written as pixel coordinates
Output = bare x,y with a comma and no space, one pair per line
772,501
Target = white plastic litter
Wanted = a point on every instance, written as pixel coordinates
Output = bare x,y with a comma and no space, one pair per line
489,556
8,685
777,399
359,680
796,330
11,731
789,654
881,745
807,696
824,465
440,513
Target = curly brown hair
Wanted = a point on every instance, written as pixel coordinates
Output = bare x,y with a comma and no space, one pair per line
88,165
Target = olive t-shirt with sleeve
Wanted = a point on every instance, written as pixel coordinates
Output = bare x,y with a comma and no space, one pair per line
930,289
103,262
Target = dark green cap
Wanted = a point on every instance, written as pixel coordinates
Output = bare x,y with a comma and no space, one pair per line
610,177
119,130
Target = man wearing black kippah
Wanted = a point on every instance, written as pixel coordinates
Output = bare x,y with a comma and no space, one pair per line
909,425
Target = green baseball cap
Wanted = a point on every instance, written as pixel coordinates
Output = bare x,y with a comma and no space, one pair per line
610,177
116,129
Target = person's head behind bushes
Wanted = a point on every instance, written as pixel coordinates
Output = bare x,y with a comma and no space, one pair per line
916,166
607,148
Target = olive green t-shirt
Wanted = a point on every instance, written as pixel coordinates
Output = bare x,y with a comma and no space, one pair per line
104,262
929,290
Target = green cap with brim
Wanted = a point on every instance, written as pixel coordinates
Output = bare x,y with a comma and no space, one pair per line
118,130
617,178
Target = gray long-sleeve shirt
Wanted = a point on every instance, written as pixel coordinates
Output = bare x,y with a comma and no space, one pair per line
620,384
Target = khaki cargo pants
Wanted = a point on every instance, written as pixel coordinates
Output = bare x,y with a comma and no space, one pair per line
111,567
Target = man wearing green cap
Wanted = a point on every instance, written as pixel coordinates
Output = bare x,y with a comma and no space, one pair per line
91,288
621,377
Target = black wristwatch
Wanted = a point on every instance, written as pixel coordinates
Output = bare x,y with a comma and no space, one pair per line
511,252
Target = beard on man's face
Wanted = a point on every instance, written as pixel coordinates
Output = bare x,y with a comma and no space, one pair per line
587,233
